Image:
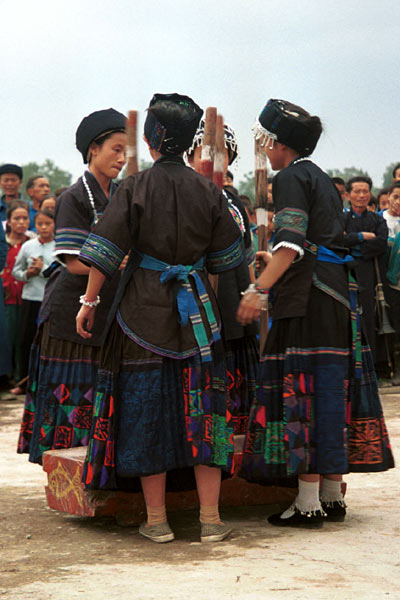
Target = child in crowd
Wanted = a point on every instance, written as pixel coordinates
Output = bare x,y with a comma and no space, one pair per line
373,204
16,228
48,203
35,257
383,200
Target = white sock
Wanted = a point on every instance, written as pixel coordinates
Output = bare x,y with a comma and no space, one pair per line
307,499
331,491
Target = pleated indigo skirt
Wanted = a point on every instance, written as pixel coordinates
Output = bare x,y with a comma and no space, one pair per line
311,414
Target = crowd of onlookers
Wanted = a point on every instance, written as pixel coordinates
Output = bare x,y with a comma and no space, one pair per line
372,237
26,251
372,227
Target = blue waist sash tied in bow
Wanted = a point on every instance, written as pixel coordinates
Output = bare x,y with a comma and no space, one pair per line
326,255
188,308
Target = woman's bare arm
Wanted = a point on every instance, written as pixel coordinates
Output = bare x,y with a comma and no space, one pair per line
249,308
85,317
75,266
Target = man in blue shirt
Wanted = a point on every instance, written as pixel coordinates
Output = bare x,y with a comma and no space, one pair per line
37,188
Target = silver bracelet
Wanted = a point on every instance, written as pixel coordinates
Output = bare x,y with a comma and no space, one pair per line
262,296
85,302
254,288
250,290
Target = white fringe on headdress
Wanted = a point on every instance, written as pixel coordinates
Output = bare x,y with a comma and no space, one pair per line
229,142
266,137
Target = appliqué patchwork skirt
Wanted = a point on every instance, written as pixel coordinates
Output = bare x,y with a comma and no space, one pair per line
153,414
312,415
242,360
58,406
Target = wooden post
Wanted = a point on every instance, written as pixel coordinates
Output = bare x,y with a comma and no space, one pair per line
219,155
208,143
131,147
261,185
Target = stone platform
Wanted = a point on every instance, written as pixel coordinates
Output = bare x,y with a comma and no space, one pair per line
66,493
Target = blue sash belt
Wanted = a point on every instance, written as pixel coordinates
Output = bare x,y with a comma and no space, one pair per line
325,255
186,301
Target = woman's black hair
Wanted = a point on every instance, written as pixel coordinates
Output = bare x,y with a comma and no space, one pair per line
393,186
45,212
101,139
396,167
13,206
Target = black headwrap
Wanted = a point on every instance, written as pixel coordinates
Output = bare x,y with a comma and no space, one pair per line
10,168
95,125
290,125
171,123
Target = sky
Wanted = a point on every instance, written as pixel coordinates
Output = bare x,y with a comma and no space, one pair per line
61,60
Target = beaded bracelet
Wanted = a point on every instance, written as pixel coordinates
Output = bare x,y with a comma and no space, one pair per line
92,304
254,288
260,290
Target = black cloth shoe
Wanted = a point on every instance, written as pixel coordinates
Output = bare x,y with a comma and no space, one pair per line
309,520
336,511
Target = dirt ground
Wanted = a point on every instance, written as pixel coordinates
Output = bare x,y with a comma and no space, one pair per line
47,555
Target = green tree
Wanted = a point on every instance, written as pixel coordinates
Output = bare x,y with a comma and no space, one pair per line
347,173
246,186
57,177
388,174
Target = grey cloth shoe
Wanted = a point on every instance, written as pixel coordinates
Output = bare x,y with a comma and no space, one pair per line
214,532
395,380
160,533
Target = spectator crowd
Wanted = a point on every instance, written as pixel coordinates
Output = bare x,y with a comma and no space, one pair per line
27,246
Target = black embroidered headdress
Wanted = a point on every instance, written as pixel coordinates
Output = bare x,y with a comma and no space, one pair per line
96,125
171,123
288,124
230,141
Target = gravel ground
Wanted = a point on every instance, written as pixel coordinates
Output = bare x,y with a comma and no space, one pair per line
47,555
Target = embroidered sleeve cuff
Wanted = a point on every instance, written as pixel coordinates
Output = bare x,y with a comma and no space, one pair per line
291,220
69,241
217,262
295,247
102,254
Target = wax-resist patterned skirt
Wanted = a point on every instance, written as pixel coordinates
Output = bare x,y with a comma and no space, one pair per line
312,415
58,405
242,360
153,414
